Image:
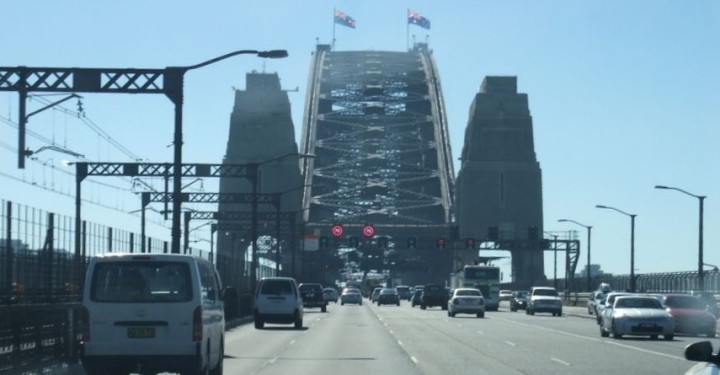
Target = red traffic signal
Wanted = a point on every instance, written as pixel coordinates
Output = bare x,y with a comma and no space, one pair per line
441,242
470,243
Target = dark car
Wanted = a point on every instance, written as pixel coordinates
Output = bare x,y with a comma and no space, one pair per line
416,297
434,295
519,300
404,292
313,296
388,296
690,313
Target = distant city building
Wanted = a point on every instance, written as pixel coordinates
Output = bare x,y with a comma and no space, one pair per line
595,271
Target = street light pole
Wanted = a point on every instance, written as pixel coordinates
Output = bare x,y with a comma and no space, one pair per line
589,230
701,199
174,85
254,169
632,243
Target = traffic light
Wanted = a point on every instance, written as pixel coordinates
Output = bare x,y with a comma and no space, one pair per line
324,241
533,233
469,243
382,242
441,242
353,242
493,234
411,242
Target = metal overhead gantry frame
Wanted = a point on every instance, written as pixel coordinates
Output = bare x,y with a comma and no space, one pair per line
570,247
168,81
85,169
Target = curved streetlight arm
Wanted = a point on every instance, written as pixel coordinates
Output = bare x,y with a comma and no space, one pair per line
573,221
273,54
663,187
615,209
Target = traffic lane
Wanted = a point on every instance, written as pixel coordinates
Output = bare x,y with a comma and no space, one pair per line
347,337
572,325
512,342
592,329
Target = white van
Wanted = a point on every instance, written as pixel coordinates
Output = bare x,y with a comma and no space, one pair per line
278,300
151,313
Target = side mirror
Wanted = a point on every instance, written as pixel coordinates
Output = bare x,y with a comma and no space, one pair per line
699,351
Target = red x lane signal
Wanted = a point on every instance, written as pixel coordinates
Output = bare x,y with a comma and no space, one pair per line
368,230
337,230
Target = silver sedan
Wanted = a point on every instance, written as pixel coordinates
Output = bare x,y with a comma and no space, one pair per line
466,301
637,316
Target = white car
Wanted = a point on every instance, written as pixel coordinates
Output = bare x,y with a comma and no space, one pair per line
466,301
544,299
637,316
157,312
278,300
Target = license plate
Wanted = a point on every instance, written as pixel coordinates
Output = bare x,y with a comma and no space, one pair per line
141,332
647,324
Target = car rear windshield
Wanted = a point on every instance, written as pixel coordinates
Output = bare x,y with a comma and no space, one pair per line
277,287
310,287
141,282
468,293
688,302
638,303
545,292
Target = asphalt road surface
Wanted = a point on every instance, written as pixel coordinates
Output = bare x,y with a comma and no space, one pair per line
371,339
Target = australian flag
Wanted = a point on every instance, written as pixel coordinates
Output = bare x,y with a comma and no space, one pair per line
416,19
344,19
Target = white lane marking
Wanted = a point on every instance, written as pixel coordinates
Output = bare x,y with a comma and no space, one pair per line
400,343
459,325
273,360
414,359
595,339
391,332
560,361
510,343
292,342
644,350
481,332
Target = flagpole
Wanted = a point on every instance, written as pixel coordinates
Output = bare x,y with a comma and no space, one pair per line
333,37
407,29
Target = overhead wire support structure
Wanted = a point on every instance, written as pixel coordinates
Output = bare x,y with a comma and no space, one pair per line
168,81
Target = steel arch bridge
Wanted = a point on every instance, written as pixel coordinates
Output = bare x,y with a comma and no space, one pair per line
375,122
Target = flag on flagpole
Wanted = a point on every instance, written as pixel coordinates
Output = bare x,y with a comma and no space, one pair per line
416,19
344,19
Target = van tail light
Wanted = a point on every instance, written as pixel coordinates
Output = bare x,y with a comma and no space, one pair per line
197,325
84,323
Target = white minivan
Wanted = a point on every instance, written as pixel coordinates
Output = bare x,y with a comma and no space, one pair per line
151,313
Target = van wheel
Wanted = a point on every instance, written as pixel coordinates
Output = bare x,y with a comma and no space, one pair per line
323,309
298,321
259,324
218,370
481,315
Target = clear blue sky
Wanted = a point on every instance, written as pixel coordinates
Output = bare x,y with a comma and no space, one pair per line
624,95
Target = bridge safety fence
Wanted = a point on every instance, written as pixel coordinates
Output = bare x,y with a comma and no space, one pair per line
660,282
41,279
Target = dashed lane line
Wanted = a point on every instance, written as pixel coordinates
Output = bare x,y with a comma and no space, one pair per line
560,361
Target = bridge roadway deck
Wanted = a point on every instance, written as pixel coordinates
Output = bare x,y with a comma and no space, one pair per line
366,339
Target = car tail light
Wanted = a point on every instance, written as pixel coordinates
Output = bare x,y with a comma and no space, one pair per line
456,302
84,320
197,327
481,302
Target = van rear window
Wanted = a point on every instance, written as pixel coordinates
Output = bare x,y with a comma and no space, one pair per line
141,282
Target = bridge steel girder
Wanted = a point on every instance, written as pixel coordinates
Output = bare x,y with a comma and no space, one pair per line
377,126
